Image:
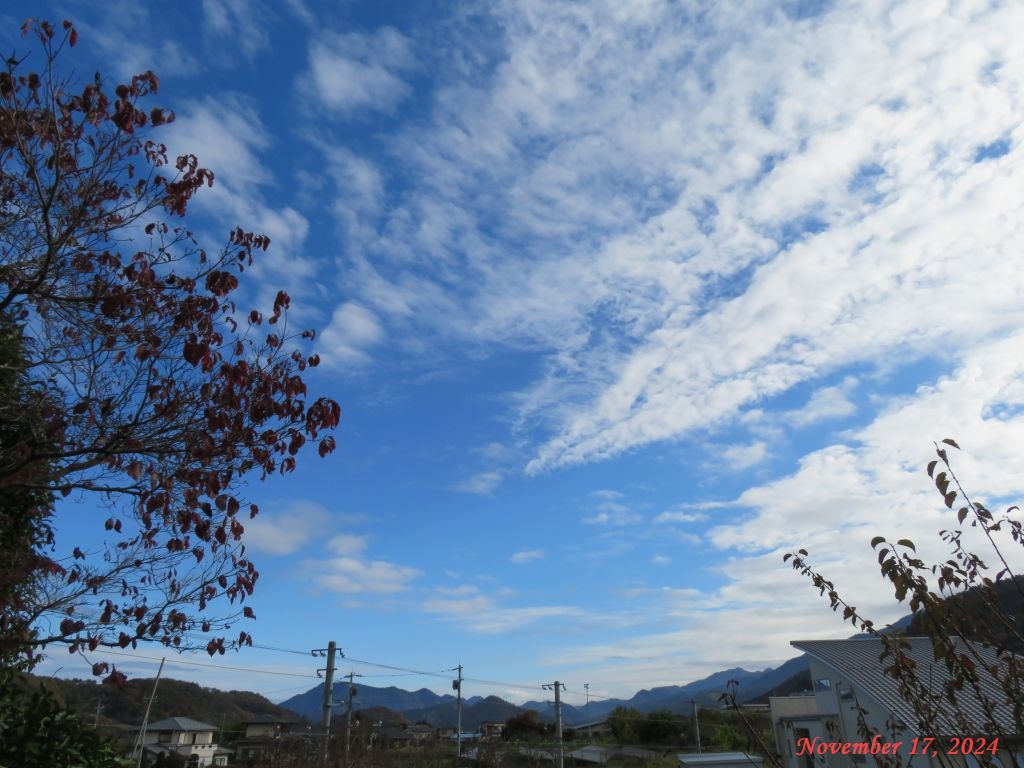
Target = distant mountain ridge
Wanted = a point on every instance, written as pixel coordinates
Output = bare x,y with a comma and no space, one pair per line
438,710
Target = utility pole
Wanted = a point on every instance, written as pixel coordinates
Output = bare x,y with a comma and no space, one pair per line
145,719
586,712
558,717
696,724
352,691
332,650
457,685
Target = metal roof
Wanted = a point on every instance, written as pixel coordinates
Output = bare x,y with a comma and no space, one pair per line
711,759
180,724
859,661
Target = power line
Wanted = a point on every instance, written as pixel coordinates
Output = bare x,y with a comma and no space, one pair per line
203,664
280,650
440,674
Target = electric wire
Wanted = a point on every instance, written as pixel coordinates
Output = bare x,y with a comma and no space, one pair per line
204,664
400,670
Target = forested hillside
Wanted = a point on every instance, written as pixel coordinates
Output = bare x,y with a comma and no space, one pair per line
110,705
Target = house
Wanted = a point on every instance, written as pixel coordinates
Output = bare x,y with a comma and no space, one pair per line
489,730
389,736
266,735
852,689
420,733
191,739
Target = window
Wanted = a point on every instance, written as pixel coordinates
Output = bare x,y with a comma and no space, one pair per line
823,684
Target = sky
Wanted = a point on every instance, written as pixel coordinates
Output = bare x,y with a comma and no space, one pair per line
621,301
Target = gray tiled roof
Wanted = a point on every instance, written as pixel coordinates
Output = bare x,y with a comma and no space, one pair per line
180,724
858,661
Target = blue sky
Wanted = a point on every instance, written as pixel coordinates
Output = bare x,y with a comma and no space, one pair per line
622,301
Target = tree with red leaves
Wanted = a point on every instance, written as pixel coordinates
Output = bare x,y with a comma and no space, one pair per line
151,395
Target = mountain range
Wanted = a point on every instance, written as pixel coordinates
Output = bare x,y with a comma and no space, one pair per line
440,709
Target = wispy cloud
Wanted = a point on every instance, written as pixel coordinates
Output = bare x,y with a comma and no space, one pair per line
826,403
228,136
351,332
123,39
650,277
349,575
348,572
480,613
739,457
482,483
285,530
351,73
527,556
246,24
676,516
613,513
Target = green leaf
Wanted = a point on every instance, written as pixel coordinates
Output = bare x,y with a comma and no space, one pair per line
931,467
908,544
876,541
952,442
950,498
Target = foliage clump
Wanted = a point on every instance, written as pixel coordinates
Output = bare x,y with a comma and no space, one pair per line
130,383
965,606
151,396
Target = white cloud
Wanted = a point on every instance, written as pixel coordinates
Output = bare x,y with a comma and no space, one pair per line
481,614
239,26
347,571
353,328
121,36
613,513
482,483
826,403
352,73
710,218
346,544
349,575
278,531
527,556
228,137
739,457
674,516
